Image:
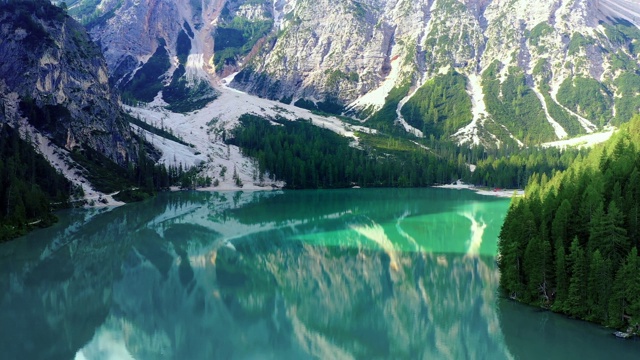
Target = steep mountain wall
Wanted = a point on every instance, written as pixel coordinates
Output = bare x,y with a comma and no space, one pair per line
132,34
533,71
52,74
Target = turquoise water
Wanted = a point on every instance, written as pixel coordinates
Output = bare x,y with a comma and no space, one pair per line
341,274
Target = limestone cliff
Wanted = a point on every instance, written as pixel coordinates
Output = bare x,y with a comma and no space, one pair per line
356,52
154,45
53,75
531,71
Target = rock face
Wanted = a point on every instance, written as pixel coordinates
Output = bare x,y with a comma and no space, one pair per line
120,36
172,38
533,71
52,74
356,52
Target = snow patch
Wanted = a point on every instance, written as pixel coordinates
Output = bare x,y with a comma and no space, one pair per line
408,128
459,185
503,193
420,145
228,80
173,153
195,68
444,70
278,13
520,144
587,125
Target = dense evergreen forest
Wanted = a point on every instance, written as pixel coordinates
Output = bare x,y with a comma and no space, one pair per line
441,106
571,245
504,168
30,187
307,156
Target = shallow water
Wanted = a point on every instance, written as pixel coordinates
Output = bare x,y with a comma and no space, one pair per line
366,273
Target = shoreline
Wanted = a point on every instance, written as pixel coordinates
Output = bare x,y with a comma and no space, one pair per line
486,191
481,190
497,192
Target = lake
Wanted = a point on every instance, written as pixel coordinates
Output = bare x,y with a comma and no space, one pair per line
326,274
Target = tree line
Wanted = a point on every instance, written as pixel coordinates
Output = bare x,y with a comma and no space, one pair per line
571,245
307,156
31,187
300,153
513,168
138,179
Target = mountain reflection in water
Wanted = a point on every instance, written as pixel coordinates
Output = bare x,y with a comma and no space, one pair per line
341,274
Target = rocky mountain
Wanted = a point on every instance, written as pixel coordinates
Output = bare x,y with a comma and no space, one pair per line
154,45
477,71
53,75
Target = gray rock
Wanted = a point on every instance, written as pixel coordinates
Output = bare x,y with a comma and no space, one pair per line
47,59
342,50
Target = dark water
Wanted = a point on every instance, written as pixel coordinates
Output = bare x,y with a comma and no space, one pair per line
349,274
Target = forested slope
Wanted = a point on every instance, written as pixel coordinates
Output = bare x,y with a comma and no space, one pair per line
29,186
306,156
571,244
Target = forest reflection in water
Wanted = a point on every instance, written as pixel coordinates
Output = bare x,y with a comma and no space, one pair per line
383,273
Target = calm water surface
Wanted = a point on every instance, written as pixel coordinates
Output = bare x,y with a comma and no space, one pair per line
346,274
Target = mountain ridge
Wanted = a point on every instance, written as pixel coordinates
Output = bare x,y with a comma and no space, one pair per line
339,56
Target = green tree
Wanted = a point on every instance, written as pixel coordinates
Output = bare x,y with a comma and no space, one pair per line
562,278
576,297
512,245
624,304
560,224
631,275
538,269
599,287
595,203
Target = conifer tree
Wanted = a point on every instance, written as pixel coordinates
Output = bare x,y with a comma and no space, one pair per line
597,273
575,304
560,223
599,287
562,278
631,275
